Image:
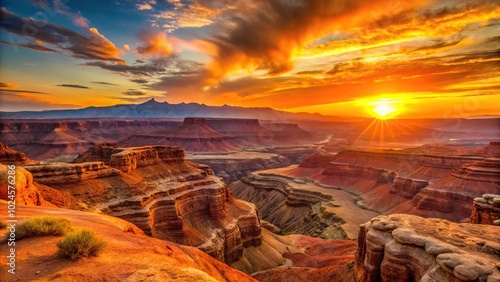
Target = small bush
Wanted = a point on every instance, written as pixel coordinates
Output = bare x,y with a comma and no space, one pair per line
80,243
43,226
3,225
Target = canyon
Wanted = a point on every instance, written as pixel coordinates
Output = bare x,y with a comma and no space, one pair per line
154,188
352,215
390,181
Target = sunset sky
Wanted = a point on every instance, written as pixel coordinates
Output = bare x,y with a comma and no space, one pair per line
336,57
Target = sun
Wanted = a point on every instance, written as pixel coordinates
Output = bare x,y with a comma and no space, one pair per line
383,109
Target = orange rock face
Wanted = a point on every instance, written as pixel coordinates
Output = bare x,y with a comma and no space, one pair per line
9,156
321,260
128,256
168,198
26,192
486,210
410,248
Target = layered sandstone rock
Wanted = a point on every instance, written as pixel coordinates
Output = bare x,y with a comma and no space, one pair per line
168,198
398,182
9,156
300,206
292,210
410,248
493,149
47,139
486,210
57,173
222,135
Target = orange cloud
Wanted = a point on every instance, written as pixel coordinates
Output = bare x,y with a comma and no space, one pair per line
155,43
268,34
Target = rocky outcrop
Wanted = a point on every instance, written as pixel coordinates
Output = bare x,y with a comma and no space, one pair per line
410,248
486,210
9,156
22,190
168,198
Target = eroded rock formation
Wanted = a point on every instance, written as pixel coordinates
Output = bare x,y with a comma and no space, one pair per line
486,210
222,135
410,248
402,182
47,139
9,156
154,188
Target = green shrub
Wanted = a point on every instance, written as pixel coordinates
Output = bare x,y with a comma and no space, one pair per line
3,225
80,243
43,226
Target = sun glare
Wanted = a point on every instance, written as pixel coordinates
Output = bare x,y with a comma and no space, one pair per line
383,109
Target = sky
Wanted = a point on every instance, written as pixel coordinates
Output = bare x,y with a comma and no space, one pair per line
422,58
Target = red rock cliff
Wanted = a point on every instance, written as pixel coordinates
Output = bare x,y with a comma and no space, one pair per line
154,188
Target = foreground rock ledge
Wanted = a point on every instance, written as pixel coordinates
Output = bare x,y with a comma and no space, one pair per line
410,248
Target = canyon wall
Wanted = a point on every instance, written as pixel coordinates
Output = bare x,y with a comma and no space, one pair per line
47,139
9,156
399,182
291,210
154,188
222,135
410,248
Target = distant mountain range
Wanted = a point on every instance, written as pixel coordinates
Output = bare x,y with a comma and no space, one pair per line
154,109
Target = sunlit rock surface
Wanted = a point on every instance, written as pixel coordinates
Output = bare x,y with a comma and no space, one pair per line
154,188
410,248
486,210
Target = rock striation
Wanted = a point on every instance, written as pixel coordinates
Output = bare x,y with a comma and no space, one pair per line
486,210
410,248
402,182
291,210
167,197
198,134
47,139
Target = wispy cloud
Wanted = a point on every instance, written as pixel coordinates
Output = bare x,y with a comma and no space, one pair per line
104,83
74,86
133,92
89,46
